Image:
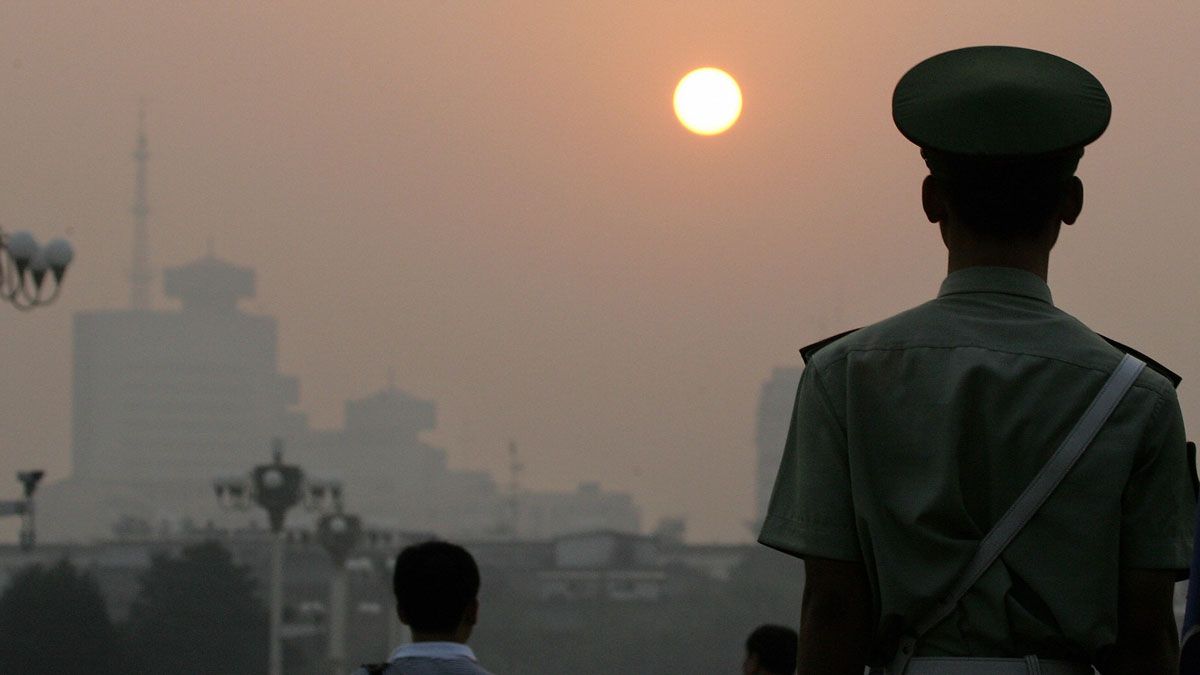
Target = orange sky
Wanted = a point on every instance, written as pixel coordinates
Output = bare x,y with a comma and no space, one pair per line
496,200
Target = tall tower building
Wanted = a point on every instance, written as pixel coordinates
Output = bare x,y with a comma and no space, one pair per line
164,401
179,395
774,416
140,274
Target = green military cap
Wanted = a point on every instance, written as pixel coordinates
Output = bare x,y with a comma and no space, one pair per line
1000,103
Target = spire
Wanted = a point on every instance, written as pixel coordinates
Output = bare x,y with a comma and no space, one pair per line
140,274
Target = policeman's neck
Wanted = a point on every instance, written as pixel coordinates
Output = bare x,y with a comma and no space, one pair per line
966,248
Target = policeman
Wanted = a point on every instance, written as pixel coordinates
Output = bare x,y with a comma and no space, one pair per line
911,438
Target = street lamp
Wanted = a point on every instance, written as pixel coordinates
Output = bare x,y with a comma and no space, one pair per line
277,487
339,534
24,507
23,268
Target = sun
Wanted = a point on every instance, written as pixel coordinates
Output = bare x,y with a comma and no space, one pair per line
708,101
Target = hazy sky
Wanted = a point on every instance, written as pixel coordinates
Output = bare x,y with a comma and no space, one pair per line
496,200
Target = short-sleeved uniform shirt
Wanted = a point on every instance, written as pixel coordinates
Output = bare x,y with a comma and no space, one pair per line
912,437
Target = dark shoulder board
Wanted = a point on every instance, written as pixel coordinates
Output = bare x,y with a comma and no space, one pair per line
1150,363
806,353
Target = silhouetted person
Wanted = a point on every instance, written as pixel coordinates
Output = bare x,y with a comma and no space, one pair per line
437,587
770,650
949,518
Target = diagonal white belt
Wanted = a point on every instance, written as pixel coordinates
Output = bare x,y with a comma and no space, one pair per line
1035,494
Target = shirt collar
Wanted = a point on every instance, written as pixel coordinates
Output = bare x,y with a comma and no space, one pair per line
1007,280
433,650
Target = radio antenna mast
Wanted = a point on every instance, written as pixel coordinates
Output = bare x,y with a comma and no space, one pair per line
140,274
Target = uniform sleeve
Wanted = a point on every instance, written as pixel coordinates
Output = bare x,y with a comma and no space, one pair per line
1158,503
811,512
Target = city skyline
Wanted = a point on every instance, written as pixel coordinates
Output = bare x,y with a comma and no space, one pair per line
499,204
167,401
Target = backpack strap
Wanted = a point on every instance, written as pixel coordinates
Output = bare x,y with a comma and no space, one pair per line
1035,494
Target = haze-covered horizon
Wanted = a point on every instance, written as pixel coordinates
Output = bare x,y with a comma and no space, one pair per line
497,202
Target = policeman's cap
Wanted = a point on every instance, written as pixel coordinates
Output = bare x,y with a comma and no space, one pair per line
1000,103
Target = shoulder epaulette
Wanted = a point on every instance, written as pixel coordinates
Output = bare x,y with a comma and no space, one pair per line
806,353
1157,367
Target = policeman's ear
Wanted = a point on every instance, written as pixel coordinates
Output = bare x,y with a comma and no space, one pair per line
933,201
1072,201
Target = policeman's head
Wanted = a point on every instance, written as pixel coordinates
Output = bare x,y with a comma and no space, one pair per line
437,586
1002,130
1018,201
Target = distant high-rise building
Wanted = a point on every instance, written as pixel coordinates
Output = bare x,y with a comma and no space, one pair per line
161,394
163,401
774,417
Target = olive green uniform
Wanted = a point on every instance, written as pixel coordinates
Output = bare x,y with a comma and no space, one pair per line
911,437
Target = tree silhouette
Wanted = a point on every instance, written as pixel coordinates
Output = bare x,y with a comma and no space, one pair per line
198,613
55,621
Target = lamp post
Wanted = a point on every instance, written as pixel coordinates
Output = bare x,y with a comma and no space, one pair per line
23,267
276,487
339,534
24,507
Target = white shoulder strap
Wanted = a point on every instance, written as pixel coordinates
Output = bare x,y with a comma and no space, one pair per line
1035,494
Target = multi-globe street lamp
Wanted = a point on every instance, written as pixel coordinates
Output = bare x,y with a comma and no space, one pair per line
339,533
24,265
277,487
24,507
